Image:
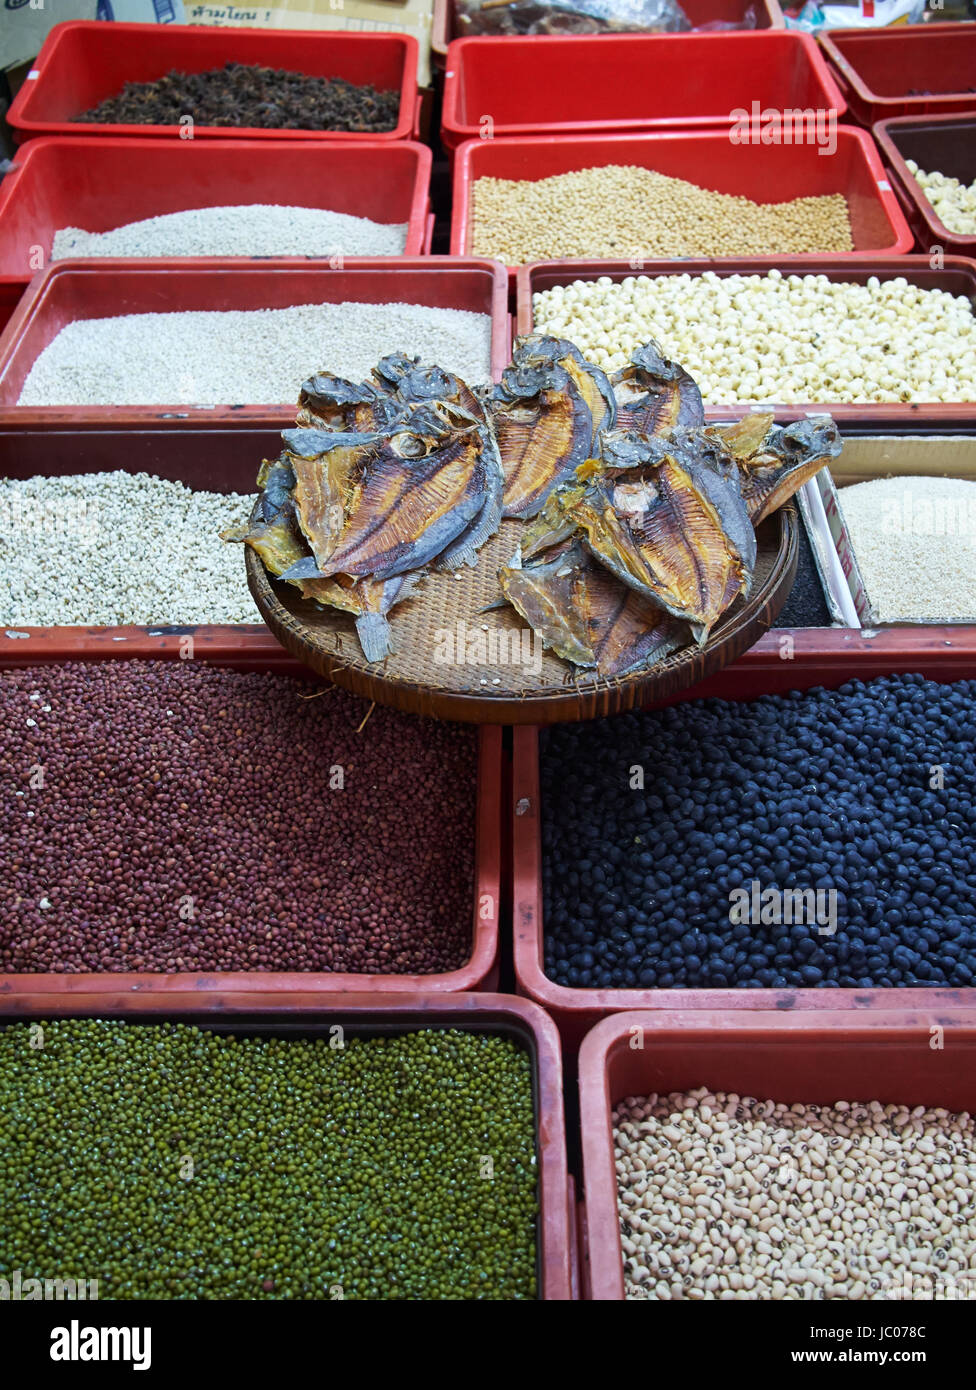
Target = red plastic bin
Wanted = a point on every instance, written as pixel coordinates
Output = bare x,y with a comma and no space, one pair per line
764,173
304,1014
592,84
71,290
100,184
821,657
882,71
942,144
957,275
252,648
768,16
83,62
812,1058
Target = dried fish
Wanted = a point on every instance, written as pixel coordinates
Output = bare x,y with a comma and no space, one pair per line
592,383
587,616
674,530
627,632
554,523
551,599
544,430
638,520
327,470
374,599
654,395
276,481
333,404
788,456
420,488
413,384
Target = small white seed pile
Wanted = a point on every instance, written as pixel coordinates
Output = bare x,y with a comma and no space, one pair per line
621,212
777,338
915,543
119,548
246,356
723,1196
250,229
953,201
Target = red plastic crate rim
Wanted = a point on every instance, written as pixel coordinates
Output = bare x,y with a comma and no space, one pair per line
904,69
600,83
82,62
813,1058
101,184
358,1012
71,290
763,173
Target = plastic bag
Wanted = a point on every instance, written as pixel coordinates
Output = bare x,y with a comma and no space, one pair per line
814,16
570,16
750,20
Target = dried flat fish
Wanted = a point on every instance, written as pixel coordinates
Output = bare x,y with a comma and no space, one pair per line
544,430
774,464
551,598
279,542
715,476
368,600
420,488
627,632
593,384
412,383
327,470
273,531
587,616
655,395
371,600
485,523
666,529
553,524
334,404
746,436
276,481
638,521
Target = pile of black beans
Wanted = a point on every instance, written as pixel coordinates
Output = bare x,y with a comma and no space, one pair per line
671,837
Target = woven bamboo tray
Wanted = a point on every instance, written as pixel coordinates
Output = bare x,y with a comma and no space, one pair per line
417,678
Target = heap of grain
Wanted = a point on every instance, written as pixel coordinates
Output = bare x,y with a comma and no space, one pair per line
777,338
622,212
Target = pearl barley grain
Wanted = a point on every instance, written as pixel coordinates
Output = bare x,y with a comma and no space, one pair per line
776,338
756,1199
246,356
251,229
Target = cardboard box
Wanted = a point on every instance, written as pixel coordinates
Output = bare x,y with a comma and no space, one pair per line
25,26
406,16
